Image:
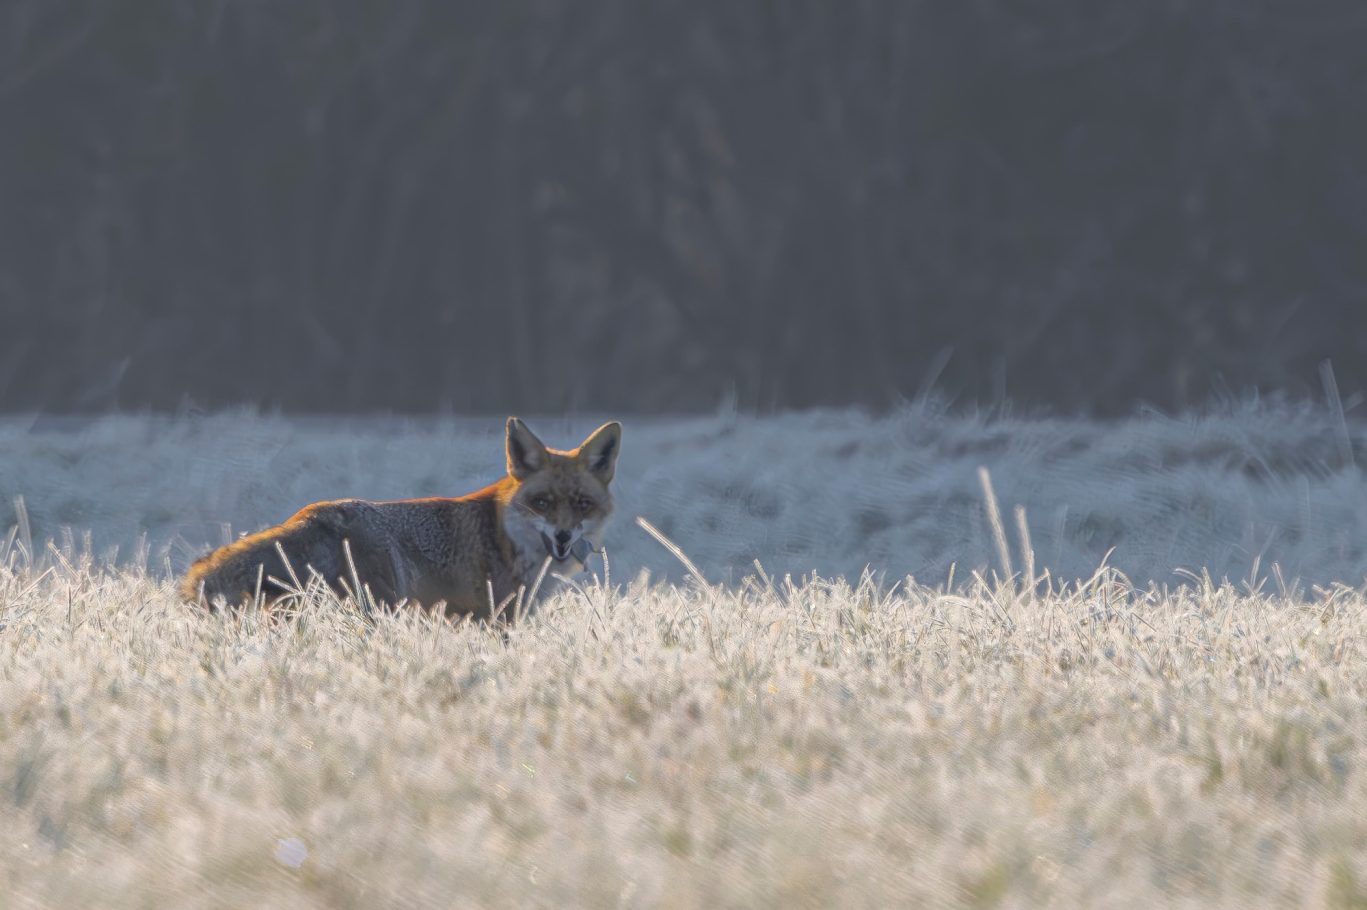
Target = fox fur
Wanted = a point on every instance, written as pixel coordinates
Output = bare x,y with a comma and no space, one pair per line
446,552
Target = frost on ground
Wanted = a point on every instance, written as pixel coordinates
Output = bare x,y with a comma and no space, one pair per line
726,741
830,492
751,745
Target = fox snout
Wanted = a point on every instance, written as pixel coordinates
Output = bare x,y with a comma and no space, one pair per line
559,546
563,544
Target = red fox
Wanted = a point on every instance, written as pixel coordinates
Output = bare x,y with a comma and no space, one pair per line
551,504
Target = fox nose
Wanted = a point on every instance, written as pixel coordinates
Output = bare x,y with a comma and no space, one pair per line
562,537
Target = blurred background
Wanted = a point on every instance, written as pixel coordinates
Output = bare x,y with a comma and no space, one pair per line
321,206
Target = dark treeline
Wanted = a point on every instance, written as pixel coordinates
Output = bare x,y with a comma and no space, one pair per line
340,206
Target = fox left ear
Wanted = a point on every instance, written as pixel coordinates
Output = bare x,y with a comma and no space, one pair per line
599,452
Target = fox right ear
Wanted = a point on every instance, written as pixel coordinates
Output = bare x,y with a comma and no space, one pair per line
526,453
599,451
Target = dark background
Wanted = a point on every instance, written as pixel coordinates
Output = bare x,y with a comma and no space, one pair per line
623,206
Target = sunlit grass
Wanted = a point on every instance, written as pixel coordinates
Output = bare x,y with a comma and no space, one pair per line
774,742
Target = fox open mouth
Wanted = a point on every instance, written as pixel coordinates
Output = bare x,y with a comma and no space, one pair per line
580,549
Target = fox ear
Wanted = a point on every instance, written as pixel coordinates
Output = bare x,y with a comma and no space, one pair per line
599,452
526,453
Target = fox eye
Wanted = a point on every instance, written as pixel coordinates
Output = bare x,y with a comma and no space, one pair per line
583,504
541,503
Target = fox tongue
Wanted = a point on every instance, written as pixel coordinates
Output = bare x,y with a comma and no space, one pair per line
551,548
580,551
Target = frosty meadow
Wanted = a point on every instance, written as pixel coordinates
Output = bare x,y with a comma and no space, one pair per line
830,492
1145,733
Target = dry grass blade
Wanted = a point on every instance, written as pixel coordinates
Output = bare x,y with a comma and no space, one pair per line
1331,394
1027,550
674,549
994,519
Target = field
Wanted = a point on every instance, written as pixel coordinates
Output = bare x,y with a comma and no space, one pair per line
1117,735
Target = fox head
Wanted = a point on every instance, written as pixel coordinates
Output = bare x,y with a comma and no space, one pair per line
560,502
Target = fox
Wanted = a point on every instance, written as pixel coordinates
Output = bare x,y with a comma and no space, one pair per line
470,555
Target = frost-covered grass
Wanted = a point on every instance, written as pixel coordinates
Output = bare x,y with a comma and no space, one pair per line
737,739
761,744
829,492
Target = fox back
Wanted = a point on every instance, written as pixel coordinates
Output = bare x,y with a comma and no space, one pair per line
551,509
